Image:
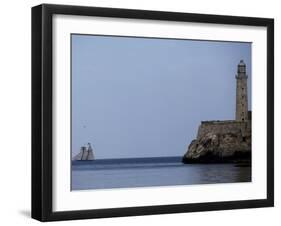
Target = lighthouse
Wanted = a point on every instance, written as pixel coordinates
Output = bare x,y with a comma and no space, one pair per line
241,93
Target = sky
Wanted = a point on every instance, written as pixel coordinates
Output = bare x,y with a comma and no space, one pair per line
146,97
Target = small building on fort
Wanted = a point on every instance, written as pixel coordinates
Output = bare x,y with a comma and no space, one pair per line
228,140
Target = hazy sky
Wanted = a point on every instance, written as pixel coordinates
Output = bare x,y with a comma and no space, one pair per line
143,97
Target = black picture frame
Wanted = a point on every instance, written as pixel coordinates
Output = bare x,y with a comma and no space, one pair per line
42,106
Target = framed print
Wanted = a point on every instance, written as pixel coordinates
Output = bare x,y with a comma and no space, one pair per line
145,112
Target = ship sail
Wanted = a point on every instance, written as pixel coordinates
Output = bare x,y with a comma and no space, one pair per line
86,153
90,152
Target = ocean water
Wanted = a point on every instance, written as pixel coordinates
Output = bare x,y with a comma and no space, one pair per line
147,172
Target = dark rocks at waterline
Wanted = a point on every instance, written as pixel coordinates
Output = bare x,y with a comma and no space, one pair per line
219,148
240,159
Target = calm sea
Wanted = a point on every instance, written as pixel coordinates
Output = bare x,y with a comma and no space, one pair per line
143,172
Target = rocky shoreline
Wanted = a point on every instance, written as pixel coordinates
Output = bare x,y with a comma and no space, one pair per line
219,148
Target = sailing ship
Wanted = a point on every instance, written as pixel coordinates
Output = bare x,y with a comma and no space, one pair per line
86,153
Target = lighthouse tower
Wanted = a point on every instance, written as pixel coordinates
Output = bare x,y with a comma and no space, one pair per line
241,92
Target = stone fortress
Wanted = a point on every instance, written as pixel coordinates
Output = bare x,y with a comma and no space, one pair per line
227,141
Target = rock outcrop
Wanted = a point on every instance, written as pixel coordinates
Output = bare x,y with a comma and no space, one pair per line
221,142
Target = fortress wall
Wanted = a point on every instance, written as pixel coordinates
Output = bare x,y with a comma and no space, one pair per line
222,127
